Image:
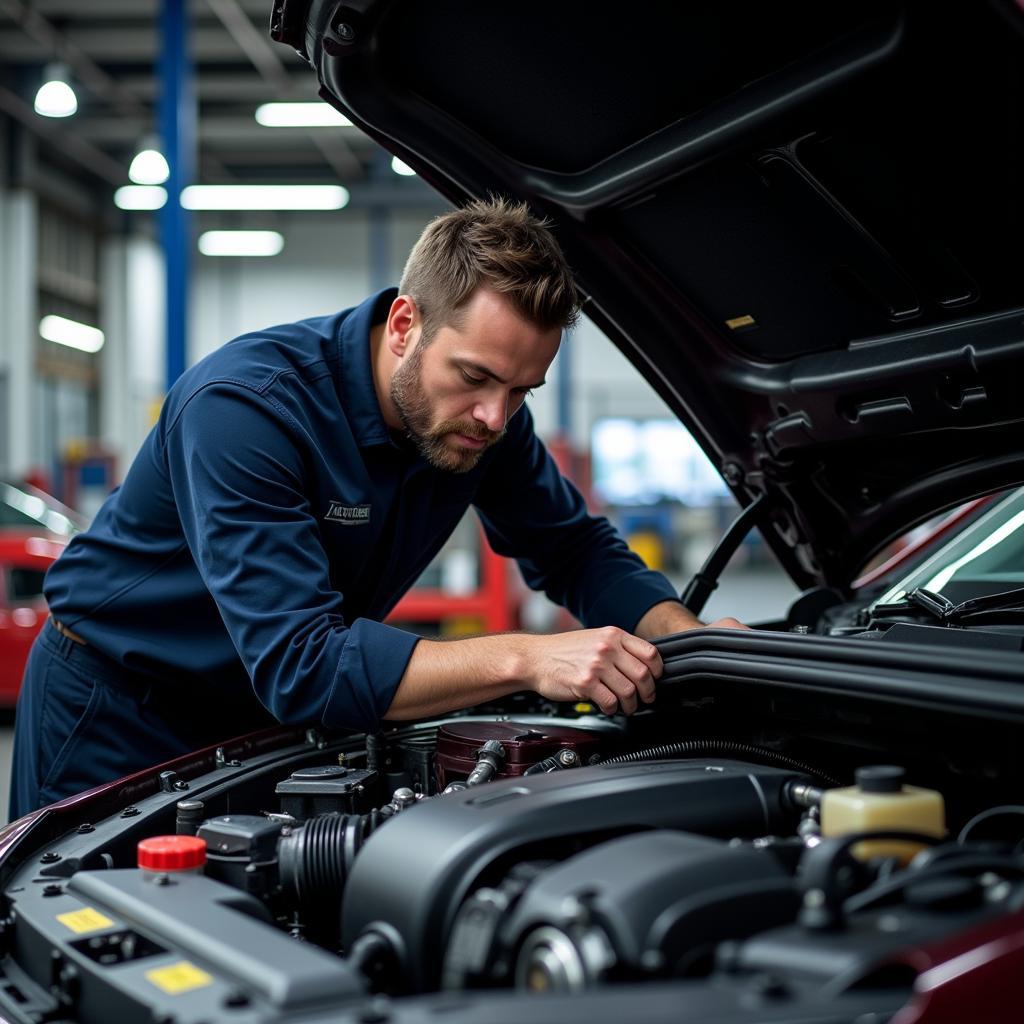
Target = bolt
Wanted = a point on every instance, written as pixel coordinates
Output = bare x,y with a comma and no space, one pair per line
345,31
733,473
129,812
181,784
814,898
49,858
999,892
52,890
85,828
403,797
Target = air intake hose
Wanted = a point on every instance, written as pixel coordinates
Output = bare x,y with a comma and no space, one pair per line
316,857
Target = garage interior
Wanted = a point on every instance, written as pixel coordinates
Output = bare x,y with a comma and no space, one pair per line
149,297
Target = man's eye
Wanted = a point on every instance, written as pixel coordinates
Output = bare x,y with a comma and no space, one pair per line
470,379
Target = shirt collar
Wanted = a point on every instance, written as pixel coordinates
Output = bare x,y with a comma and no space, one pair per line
355,383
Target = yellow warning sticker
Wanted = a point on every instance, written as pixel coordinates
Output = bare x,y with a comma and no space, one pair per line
84,920
740,321
178,978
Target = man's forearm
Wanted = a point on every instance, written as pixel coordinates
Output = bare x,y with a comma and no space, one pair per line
665,618
445,675
607,667
669,617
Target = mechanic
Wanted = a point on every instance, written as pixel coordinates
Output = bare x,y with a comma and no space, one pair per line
298,481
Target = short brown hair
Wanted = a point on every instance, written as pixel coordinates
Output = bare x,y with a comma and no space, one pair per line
494,244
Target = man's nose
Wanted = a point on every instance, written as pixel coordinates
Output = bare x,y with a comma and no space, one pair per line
492,412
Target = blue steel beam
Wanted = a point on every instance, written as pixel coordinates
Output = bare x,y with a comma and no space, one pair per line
177,122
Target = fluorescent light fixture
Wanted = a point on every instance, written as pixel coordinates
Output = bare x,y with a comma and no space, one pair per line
149,167
401,167
264,197
55,97
241,243
71,333
301,115
140,197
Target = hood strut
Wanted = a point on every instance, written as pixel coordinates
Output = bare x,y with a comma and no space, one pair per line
705,580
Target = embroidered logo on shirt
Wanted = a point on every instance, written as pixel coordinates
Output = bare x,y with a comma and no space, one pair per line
349,515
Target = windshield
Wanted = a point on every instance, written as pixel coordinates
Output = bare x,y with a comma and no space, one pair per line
20,507
986,558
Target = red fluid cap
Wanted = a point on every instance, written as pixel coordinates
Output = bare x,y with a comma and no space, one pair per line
172,853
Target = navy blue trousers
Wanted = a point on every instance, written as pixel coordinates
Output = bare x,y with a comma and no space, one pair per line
83,720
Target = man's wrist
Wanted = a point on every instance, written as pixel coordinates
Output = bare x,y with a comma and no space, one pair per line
514,662
665,618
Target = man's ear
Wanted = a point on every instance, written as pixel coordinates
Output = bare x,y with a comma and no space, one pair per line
402,325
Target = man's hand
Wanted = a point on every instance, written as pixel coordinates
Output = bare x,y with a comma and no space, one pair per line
607,667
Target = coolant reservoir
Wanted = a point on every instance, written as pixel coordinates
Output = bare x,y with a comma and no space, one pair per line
881,800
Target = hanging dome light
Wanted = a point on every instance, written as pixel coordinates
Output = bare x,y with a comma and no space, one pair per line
55,97
149,165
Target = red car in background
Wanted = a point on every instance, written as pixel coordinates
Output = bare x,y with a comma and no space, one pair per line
25,555
34,529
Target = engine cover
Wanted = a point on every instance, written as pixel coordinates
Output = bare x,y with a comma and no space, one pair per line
662,900
413,876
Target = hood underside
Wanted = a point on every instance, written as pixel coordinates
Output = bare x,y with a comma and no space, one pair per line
802,222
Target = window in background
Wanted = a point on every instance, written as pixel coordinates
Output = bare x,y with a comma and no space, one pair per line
643,462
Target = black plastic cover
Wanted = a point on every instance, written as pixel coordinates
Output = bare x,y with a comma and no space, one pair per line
412,876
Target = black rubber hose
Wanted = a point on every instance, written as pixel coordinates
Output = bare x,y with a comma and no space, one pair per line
724,748
315,858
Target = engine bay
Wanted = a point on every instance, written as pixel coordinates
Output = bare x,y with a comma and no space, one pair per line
519,860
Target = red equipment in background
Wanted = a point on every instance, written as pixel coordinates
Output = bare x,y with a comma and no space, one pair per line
494,604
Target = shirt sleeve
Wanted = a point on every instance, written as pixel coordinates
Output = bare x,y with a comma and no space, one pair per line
235,464
530,512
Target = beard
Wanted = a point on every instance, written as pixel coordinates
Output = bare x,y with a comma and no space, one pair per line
432,440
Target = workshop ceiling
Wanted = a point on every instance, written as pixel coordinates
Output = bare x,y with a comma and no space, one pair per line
111,48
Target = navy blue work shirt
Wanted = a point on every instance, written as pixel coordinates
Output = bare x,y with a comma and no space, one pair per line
271,521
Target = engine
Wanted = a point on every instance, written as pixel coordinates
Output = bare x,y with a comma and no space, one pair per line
541,856
526,856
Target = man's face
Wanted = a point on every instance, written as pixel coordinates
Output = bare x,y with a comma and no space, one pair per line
455,395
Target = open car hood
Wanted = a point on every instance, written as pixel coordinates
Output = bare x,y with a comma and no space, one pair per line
800,221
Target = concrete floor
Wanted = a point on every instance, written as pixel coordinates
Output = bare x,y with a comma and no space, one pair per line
745,595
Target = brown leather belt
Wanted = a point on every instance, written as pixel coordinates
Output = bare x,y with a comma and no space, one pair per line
70,634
